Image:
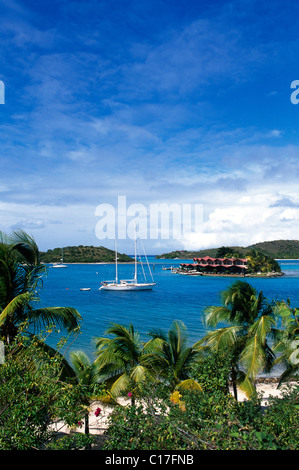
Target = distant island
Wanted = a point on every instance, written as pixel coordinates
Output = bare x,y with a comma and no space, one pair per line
277,249
253,260
83,254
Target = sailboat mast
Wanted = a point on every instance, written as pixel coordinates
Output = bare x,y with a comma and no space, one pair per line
116,274
135,277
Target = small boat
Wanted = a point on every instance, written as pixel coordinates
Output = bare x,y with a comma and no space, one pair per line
60,265
130,284
84,288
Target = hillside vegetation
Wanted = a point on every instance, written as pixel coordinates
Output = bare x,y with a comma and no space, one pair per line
83,254
278,249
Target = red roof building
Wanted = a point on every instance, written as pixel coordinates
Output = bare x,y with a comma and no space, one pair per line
217,265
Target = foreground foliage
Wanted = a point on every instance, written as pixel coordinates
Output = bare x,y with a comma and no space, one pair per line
250,319
210,419
33,395
286,339
21,278
179,393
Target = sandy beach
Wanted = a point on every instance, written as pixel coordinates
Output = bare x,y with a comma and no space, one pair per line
265,387
98,424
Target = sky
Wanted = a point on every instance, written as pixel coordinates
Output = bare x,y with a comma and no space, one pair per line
186,104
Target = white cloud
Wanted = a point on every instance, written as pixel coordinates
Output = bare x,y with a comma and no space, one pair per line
252,220
275,133
169,114
290,215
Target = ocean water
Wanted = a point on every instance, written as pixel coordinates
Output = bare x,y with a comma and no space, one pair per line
175,297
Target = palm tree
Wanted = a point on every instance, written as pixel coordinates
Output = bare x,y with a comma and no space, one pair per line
122,360
250,319
87,376
257,261
20,281
172,357
286,339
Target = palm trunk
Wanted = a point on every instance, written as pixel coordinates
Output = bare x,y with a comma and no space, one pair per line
86,429
234,383
86,423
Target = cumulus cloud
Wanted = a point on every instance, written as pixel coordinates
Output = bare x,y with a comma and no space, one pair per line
285,202
159,108
245,224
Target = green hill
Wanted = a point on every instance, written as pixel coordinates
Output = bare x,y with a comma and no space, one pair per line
83,254
278,249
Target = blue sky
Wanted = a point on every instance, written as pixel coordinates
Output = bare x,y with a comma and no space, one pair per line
158,101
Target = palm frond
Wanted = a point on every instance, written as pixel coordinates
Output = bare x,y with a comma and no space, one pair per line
88,372
120,385
189,384
101,344
19,302
126,340
110,361
138,374
223,338
262,327
158,333
178,336
247,387
216,314
200,345
64,317
184,361
253,357
80,361
26,246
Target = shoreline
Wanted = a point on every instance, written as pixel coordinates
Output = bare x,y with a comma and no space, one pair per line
264,276
50,265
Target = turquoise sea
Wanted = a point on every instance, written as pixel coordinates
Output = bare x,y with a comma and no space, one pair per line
175,297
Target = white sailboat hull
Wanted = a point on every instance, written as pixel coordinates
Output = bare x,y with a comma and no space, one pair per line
123,286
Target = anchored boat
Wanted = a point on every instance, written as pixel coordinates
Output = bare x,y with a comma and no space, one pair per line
128,284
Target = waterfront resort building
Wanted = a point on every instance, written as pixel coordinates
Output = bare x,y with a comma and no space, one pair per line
210,265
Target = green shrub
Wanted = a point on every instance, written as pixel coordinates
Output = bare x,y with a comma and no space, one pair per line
32,395
208,420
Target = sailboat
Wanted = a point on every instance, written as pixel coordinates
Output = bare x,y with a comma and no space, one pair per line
130,284
60,265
